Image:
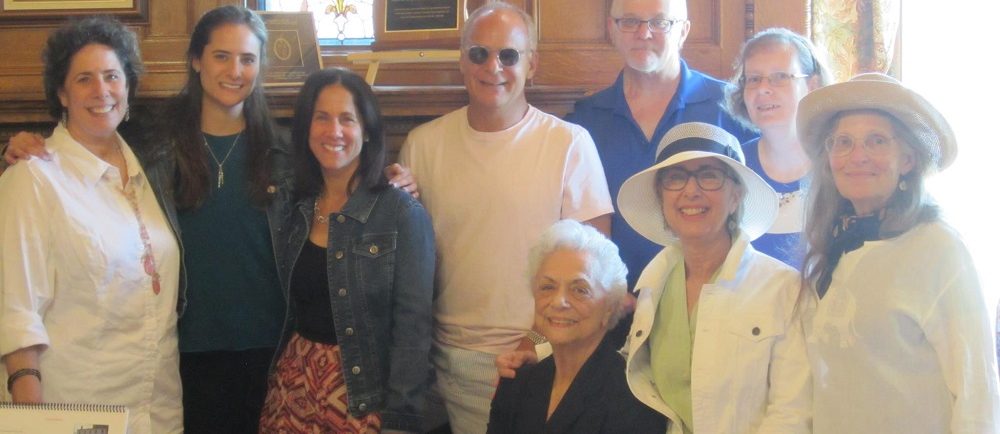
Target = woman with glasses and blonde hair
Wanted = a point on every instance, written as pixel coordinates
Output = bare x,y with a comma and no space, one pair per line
774,70
716,344
898,332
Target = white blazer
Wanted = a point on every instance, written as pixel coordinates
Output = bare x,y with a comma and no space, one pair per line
749,370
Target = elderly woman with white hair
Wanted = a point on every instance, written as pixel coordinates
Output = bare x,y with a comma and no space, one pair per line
898,333
578,282
717,343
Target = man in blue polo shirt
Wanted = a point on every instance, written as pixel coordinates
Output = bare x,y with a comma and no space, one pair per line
655,91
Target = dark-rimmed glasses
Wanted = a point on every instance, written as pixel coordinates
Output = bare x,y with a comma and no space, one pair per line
655,25
676,178
508,57
775,79
875,145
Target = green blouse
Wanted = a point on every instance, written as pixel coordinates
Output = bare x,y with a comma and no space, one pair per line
671,342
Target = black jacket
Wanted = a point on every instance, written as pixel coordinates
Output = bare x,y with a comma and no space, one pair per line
598,401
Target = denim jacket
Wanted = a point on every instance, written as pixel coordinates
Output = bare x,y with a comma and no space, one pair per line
160,165
380,268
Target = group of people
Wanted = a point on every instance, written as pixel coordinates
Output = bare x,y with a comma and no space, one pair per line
181,267
786,268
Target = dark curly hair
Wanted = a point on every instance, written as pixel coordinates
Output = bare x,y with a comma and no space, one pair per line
69,39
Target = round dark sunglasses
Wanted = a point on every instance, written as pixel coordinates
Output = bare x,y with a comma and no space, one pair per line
506,56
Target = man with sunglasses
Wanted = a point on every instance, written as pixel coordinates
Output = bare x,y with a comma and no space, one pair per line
493,176
655,91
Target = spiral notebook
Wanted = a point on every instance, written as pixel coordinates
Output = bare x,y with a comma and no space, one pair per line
62,419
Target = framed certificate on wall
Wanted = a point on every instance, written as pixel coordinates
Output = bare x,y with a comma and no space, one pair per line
401,24
292,50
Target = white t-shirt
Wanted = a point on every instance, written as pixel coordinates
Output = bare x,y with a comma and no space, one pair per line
490,196
901,343
72,278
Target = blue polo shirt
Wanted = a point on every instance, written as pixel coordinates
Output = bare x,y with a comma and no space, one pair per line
625,151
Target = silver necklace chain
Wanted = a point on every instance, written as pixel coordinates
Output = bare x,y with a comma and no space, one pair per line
222,173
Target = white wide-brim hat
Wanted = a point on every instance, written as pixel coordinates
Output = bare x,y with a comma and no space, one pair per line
874,91
639,199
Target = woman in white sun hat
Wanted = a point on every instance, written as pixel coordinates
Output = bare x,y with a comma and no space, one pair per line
898,333
716,344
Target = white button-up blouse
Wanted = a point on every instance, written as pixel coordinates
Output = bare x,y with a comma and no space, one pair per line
73,279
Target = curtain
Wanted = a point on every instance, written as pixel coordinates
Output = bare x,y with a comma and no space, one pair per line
860,35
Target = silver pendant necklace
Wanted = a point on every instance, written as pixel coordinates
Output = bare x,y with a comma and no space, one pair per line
222,173
318,215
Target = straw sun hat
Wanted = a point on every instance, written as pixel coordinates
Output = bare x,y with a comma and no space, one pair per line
639,199
874,91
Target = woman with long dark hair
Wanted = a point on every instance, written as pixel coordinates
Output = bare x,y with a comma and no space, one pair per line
224,161
357,267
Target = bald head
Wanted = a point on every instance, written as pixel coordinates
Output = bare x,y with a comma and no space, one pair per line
675,9
499,7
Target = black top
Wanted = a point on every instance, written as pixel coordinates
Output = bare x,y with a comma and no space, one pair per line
311,296
598,401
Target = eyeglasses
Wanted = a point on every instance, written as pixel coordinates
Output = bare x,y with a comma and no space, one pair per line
875,145
708,179
776,79
655,25
506,56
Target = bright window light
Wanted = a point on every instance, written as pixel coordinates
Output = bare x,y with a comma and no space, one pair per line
338,22
948,58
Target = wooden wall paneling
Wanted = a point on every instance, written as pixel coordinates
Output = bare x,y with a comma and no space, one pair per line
199,7
577,22
791,14
169,18
717,32
574,45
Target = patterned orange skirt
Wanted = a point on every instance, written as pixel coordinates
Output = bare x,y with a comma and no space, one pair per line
307,394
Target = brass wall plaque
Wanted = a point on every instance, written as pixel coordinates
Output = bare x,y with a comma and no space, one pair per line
292,49
418,23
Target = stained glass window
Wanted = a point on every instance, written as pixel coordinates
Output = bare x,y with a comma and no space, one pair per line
338,22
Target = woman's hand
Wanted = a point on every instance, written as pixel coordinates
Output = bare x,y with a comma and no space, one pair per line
507,363
25,145
401,177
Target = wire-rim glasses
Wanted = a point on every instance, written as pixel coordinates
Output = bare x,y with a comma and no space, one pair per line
655,25
775,79
874,144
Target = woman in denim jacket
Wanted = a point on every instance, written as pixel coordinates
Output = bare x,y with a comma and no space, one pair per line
357,267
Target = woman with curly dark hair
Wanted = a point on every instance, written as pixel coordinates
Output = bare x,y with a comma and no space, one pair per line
90,265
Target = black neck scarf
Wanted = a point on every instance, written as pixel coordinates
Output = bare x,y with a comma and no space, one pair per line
849,234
